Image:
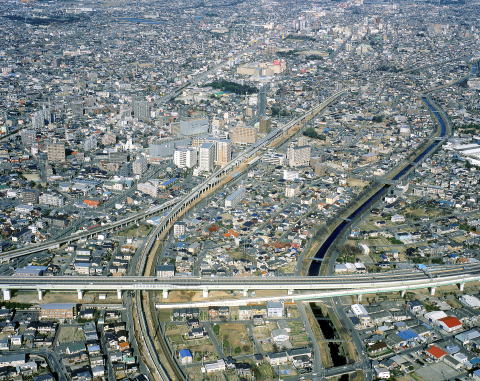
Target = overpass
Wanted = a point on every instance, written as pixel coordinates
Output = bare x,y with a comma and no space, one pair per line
325,285
180,205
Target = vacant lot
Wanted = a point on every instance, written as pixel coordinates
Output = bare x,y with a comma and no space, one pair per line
234,338
68,334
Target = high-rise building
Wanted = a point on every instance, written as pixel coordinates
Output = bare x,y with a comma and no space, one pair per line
141,109
206,157
223,152
28,137
185,157
90,143
56,152
243,135
41,117
140,165
298,156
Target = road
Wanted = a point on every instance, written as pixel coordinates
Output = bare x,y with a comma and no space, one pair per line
177,207
442,130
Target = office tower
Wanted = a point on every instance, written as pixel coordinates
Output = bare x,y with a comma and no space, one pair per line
140,165
207,157
56,152
223,149
298,156
185,157
243,135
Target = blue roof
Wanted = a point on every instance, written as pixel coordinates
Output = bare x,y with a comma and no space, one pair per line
185,353
407,334
475,361
169,181
476,372
58,306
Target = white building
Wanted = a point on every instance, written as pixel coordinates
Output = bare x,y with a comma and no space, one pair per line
359,310
206,157
382,372
290,175
149,187
235,197
470,301
185,157
179,229
275,309
217,366
292,190
51,199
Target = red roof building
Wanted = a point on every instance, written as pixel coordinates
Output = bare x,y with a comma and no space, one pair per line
436,352
449,323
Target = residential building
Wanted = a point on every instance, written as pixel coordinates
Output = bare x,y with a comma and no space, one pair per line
56,152
243,135
206,157
58,311
185,157
223,152
165,271
140,165
179,229
298,156
90,143
141,109
275,309
51,199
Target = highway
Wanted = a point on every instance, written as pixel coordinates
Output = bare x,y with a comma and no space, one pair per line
241,163
180,205
454,274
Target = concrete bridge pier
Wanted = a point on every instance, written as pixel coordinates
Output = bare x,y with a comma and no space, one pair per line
165,294
205,292
291,291
7,295
359,297
80,294
119,294
245,292
432,290
403,293
461,286
40,295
